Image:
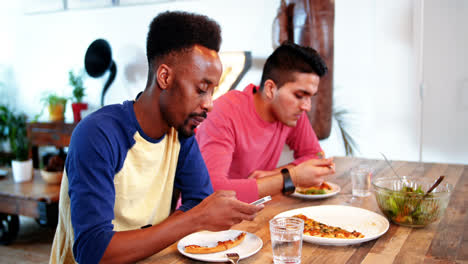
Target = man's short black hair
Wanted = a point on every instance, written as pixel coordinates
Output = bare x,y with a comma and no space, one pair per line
291,58
179,31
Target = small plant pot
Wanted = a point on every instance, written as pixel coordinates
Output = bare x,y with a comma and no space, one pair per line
22,170
57,112
77,108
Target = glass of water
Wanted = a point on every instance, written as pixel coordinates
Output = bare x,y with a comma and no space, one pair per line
286,239
361,180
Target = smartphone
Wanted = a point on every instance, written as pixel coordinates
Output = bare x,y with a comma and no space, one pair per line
262,200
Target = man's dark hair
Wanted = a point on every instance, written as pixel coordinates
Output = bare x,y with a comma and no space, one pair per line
178,31
291,58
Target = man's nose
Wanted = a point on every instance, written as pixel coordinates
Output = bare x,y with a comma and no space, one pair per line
306,104
207,103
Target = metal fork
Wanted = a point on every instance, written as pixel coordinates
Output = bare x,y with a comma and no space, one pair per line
233,257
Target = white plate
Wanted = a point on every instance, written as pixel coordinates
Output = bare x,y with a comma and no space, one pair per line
251,245
335,189
370,224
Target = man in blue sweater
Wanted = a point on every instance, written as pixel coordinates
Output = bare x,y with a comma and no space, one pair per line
125,160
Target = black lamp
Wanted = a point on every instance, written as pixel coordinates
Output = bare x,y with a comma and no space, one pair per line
98,60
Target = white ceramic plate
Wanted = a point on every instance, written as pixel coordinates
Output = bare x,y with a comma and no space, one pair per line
251,245
335,189
370,224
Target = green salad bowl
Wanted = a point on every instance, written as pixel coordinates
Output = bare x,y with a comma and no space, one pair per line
404,200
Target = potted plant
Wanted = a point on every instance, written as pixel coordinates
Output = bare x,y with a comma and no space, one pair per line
5,155
56,105
4,119
21,165
76,81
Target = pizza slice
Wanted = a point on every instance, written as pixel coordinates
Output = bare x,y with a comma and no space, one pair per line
221,246
314,228
322,189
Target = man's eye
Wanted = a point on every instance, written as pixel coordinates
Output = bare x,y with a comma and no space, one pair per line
298,96
201,91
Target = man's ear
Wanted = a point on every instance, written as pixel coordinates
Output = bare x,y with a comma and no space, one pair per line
164,76
270,89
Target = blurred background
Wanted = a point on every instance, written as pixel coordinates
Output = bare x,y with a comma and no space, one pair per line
400,67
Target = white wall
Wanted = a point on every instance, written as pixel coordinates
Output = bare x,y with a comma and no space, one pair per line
445,79
376,60
374,68
47,45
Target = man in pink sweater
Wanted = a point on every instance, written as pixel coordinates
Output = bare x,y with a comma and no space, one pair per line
242,139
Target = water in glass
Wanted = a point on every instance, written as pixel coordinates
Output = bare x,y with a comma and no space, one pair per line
286,239
361,180
286,250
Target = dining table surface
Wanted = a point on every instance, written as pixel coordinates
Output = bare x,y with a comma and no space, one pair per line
443,241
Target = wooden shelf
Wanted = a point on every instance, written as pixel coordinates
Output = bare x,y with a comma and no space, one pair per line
56,134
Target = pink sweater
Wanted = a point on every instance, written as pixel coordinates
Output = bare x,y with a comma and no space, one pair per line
235,142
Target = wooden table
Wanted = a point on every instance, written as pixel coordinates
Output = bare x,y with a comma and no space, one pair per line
445,241
56,134
34,198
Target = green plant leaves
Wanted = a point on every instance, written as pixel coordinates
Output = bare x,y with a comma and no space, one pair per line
13,128
76,81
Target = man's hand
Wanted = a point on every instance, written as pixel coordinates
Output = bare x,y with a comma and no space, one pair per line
217,212
221,210
312,172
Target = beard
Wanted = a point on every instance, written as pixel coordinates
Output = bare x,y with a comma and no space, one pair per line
186,129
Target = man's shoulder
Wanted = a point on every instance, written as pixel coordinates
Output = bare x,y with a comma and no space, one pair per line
113,110
105,121
233,99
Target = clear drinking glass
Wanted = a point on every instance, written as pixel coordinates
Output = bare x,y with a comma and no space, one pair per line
286,239
361,180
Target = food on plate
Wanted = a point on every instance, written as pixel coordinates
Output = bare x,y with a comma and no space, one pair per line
222,245
314,228
322,189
